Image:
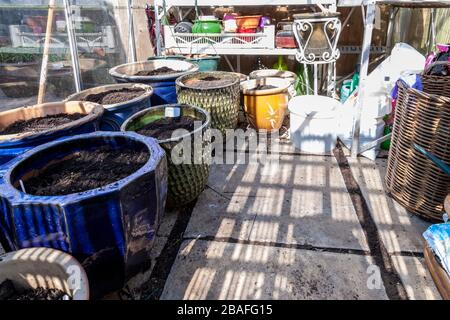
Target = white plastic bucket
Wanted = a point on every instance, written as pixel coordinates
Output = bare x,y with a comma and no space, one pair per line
314,123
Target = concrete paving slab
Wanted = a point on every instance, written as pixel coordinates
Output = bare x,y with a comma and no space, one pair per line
167,223
303,200
415,277
399,230
220,270
221,216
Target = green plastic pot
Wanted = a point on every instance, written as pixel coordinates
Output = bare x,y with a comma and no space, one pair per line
209,63
207,26
187,180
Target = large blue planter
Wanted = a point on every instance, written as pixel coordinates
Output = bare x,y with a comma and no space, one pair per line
116,114
164,89
110,229
13,145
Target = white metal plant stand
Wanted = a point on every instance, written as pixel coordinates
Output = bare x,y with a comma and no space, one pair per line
304,32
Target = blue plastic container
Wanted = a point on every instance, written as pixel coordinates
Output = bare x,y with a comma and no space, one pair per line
109,229
13,145
164,89
116,114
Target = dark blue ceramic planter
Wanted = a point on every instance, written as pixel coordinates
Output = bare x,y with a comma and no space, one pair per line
110,229
13,145
164,89
116,114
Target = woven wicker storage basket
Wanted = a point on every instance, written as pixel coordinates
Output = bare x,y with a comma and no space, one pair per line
221,98
421,117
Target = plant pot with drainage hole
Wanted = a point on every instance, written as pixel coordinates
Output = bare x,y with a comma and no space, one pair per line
186,180
158,73
265,102
217,92
42,274
24,128
97,196
119,100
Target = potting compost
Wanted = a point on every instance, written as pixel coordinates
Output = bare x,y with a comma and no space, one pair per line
114,96
207,82
158,71
40,123
9,292
86,170
163,128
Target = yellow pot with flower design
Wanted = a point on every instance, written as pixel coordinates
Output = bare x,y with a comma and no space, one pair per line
265,102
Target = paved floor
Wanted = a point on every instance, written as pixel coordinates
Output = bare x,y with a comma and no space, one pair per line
294,233
291,233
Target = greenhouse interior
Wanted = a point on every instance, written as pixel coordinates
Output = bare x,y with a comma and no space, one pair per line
195,150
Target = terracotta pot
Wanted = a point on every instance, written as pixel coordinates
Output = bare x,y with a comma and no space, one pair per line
265,109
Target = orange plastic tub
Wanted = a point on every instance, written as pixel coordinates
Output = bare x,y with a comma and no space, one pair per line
248,22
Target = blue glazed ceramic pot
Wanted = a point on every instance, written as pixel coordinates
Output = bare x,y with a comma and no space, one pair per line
116,114
164,89
12,145
110,229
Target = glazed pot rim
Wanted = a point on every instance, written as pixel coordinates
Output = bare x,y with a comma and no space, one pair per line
148,93
180,81
16,196
204,125
95,113
252,83
54,256
132,78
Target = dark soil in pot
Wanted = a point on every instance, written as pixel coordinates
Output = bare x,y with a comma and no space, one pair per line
207,82
163,128
40,123
156,72
264,87
114,96
86,170
9,292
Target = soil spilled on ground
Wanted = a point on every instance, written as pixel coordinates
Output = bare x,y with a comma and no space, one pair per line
114,96
208,82
9,292
41,123
86,170
156,72
163,128
264,87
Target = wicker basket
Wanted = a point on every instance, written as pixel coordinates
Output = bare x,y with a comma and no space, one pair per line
421,117
185,181
220,98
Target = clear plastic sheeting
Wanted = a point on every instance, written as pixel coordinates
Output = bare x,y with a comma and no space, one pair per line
99,29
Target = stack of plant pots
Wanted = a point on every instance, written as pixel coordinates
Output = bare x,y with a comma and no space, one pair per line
217,92
187,179
160,74
97,196
117,108
14,142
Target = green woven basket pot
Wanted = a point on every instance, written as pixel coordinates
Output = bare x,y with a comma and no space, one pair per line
215,91
186,180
